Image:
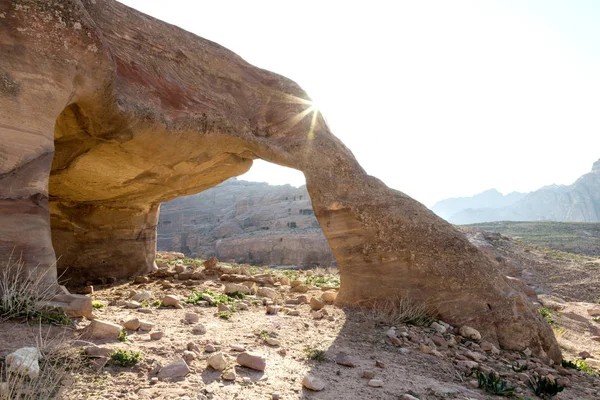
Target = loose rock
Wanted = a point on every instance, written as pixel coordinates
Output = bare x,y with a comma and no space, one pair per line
252,360
174,370
312,383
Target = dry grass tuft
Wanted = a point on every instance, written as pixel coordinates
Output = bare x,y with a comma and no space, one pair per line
57,363
399,310
23,292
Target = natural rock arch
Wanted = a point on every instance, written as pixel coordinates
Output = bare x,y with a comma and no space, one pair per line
123,111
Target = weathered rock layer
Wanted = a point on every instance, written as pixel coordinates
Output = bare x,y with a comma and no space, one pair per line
106,112
246,222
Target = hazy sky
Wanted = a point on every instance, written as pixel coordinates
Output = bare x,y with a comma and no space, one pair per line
436,98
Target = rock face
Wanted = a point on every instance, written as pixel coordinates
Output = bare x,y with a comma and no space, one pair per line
106,112
245,222
579,202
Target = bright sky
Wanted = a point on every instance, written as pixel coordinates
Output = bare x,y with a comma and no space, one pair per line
436,98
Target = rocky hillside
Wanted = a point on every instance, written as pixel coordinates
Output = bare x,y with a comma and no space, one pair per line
246,222
579,202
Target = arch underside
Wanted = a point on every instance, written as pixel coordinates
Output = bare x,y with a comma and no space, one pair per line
114,112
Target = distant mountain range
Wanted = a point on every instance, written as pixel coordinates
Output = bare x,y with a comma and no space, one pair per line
579,202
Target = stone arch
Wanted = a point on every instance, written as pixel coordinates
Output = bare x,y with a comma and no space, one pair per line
138,112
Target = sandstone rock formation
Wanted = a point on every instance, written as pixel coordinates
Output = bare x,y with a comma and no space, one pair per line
245,222
578,202
106,112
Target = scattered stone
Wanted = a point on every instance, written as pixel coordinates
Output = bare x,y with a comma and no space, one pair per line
268,292
294,313
396,341
272,310
189,356
313,383
211,263
199,329
170,301
316,304
466,365
407,396
146,325
98,363
74,305
24,361
229,375
329,296
309,272
131,304
157,335
174,370
425,349
217,361
585,354
238,348
302,299
272,341
469,333
368,374
345,359
275,396
132,324
179,268
145,311
237,288
391,333
379,364
97,351
438,327
300,289
375,383
141,279
141,296
594,311
99,329
222,308
284,280
252,360
209,348
296,282
191,318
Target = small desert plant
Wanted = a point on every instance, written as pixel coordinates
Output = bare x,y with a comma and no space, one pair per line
546,313
215,298
579,365
236,295
98,305
494,384
314,354
544,386
126,358
400,310
23,293
226,315
123,336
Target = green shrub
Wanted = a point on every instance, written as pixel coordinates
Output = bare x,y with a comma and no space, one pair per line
579,365
544,386
494,384
98,305
126,358
123,336
217,298
314,354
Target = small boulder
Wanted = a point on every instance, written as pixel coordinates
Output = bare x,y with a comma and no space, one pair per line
146,325
211,263
170,301
438,327
316,304
24,361
236,288
99,329
313,383
141,296
375,383
132,324
199,329
191,318
469,333
229,375
345,359
268,292
156,335
252,360
329,296
217,361
174,370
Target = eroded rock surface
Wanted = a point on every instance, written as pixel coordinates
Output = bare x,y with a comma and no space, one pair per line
106,112
246,222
